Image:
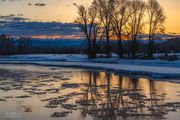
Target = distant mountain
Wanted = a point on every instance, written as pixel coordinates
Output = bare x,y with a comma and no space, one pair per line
58,43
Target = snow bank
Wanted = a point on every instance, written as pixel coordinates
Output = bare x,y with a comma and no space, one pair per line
150,68
44,57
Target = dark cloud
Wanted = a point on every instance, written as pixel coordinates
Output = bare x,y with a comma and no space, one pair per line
16,25
19,14
40,4
37,4
29,4
13,18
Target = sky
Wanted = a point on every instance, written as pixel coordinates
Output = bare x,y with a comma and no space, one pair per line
64,11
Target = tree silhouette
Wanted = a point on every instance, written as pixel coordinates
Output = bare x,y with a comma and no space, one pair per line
135,25
120,16
90,25
156,19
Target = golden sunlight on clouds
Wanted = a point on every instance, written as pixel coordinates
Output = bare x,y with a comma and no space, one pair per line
65,11
56,36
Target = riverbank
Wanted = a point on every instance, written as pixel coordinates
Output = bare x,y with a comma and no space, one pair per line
149,68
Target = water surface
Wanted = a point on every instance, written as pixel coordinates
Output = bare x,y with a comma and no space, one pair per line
30,92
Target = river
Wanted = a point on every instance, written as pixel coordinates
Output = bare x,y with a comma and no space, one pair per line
31,92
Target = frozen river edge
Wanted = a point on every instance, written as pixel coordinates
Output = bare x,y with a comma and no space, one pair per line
158,72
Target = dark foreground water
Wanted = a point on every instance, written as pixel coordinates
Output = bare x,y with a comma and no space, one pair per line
29,92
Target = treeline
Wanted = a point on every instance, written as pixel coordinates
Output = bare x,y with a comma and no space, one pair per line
121,20
8,45
23,45
171,45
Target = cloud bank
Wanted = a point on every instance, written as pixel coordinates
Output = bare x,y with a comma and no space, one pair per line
19,26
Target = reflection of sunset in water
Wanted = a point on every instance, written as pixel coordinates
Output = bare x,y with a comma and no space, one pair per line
45,92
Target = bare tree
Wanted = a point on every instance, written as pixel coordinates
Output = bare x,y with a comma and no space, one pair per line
135,25
104,9
120,16
156,20
91,27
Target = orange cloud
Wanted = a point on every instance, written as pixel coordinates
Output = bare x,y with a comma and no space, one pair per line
57,36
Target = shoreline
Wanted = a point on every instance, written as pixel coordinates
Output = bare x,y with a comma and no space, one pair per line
128,70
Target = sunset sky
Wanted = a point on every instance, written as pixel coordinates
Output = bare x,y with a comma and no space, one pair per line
65,11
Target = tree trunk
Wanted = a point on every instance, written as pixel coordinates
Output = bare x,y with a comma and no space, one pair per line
120,48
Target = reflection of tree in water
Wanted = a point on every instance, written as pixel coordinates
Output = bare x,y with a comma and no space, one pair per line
120,99
156,106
